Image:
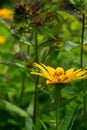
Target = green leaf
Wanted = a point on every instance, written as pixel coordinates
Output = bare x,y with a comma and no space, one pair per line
28,124
24,41
28,121
68,120
68,92
70,45
45,30
56,29
19,65
44,126
72,1
5,105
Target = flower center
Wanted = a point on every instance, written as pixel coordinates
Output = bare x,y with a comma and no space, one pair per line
57,74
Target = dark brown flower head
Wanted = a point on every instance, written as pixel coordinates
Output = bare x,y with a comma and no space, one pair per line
20,12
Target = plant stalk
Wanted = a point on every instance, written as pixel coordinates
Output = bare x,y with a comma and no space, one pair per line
82,40
36,82
58,108
81,65
22,89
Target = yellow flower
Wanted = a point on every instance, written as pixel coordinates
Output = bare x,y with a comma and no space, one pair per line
2,40
6,13
58,75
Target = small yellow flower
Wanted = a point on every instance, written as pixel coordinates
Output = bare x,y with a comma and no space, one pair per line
2,40
58,75
6,13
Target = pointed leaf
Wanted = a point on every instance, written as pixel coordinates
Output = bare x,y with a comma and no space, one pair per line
5,105
68,120
70,45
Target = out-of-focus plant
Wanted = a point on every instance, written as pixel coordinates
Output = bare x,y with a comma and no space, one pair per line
2,40
6,13
47,32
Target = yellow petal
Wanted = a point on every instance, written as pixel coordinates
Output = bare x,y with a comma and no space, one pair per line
82,77
49,82
81,73
59,70
58,76
77,71
6,13
70,71
64,78
36,73
70,78
40,67
44,72
51,70
2,40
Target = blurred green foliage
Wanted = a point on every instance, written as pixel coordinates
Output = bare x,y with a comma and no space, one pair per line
46,32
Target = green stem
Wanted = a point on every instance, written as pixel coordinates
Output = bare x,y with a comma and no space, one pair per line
57,109
36,47
84,105
35,101
22,89
28,48
36,82
81,65
82,40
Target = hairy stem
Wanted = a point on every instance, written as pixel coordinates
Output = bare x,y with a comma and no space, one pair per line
81,65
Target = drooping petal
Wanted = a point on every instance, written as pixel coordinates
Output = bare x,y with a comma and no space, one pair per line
43,71
49,69
36,73
40,67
